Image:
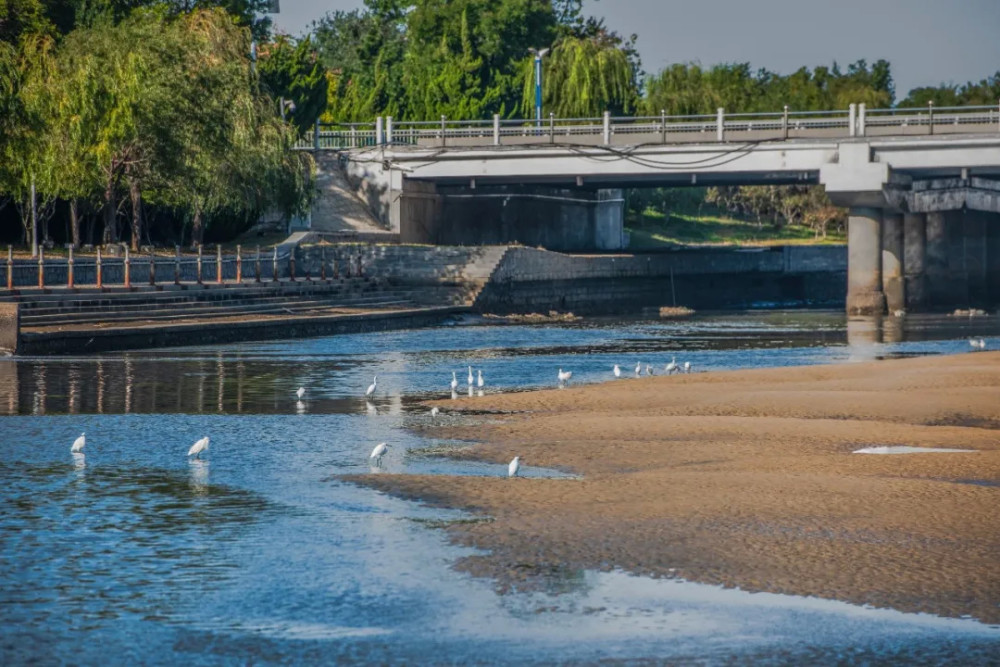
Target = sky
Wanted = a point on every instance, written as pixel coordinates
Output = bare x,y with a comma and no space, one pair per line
928,42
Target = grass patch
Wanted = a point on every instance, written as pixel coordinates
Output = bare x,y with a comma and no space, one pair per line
655,230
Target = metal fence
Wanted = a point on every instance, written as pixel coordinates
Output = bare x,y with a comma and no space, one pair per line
855,121
132,270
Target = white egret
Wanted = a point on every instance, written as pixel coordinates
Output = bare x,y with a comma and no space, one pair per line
435,412
454,381
79,444
371,387
471,379
687,366
564,375
199,447
671,367
300,393
617,371
514,466
479,380
979,343
379,451
649,370
638,368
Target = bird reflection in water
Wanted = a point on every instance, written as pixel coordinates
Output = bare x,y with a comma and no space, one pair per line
370,408
199,476
79,463
300,408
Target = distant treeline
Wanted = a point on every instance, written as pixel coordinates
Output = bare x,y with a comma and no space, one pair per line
170,121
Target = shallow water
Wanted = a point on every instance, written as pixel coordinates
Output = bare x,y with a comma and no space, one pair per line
131,553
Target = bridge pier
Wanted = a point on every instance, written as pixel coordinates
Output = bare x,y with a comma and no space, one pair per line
914,260
893,285
864,262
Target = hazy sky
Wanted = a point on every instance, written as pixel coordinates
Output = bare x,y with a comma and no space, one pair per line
927,41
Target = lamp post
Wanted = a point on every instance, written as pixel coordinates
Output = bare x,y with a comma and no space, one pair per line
539,54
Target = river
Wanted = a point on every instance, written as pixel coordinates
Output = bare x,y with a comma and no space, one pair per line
132,553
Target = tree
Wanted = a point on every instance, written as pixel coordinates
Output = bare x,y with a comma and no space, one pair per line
291,71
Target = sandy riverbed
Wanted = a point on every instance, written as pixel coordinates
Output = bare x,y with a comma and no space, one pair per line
747,479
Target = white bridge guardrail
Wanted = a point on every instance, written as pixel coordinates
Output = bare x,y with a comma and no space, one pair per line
856,121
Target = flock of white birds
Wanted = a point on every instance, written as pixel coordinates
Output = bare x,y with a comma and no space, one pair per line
473,380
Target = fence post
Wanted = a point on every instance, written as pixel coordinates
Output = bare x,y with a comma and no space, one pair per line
199,263
256,265
720,124
852,120
218,263
316,135
379,134
69,269
127,269
663,124
607,128
322,263
388,130
152,268
274,265
863,119
496,129
291,264
444,142
361,270
41,266
10,267
239,264
177,265
552,128
930,117
784,123
100,270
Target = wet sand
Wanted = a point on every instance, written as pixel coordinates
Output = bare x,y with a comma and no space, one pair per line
747,479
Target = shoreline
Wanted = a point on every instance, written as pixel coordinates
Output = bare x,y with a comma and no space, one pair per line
745,479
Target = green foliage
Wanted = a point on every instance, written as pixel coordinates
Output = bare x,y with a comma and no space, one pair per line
291,71
583,77
984,92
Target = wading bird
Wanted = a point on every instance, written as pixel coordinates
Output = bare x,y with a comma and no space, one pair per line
514,466
471,379
379,451
199,447
435,412
479,380
371,387
979,343
638,368
300,393
454,381
564,375
687,366
79,444
649,370
617,371
671,367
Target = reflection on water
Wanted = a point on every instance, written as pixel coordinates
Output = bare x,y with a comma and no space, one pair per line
259,554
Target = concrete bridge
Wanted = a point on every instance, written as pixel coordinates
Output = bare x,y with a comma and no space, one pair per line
922,185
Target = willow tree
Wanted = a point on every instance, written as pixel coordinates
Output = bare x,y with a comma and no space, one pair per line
583,77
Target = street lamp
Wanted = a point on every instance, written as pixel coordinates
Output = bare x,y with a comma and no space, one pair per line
539,54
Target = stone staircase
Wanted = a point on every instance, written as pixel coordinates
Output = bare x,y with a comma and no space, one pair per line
119,307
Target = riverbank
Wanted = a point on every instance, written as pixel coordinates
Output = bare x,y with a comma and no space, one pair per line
747,479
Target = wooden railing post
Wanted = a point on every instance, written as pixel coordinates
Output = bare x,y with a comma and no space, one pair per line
256,265
218,263
291,265
198,263
322,263
69,269
100,269
239,264
177,265
361,270
127,268
152,267
274,265
41,266
10,267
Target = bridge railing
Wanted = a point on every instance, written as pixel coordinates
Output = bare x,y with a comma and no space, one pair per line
856,121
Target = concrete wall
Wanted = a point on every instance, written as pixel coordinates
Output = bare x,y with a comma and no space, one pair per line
10,327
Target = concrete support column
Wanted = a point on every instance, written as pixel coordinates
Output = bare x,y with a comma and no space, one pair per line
993,256
936,260
609,220
914,259
892,262
976,260
864,262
